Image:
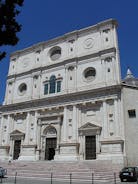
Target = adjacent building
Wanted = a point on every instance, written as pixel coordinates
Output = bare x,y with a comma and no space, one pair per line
65,100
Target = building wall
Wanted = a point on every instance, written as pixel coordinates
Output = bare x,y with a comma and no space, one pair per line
88,104
94,47
131,125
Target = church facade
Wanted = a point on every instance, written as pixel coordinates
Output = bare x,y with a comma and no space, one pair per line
64,99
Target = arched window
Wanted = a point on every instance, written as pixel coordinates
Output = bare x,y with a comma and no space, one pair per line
53,85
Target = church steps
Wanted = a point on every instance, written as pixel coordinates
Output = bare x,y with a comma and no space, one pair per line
80,170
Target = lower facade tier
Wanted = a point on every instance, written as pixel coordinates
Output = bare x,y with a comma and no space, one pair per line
85,150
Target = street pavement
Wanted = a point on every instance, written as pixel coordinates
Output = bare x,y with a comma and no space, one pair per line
20,180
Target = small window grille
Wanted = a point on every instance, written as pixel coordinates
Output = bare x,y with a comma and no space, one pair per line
132,113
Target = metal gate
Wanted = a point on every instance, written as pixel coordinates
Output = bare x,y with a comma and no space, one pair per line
90,147
51,144
17,148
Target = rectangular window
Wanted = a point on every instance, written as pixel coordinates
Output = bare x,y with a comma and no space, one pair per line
132,113
52,87
45,89
58,86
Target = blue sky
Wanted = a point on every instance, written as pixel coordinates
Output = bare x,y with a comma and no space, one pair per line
45,19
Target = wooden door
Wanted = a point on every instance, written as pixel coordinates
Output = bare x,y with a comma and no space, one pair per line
90,147
17,148
51,144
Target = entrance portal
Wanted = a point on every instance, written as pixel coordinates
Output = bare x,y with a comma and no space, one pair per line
17,147
51,144
90,147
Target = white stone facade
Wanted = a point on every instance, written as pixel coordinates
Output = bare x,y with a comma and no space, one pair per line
63,99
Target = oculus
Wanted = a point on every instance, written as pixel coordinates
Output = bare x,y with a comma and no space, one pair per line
22,89
89,73
55,53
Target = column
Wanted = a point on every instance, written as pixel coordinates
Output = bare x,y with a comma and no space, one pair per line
35,128
114,69
105,123
1,128
41,87
75,77
65,124
6,98
74,128
104,71
12,91
122,118
116,117
81,147
66,79
27,128
8,128
118,72
38,133
11,141
97,144
11,152
59,131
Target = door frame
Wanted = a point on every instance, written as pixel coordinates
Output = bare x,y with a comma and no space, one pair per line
19,149
47,148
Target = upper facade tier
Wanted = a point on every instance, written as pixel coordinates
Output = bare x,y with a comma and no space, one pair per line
79,61
76,44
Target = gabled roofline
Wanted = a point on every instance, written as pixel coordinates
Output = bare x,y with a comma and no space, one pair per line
64,37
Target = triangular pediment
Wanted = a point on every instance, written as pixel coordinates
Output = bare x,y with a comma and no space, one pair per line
89,126
16,132
89,129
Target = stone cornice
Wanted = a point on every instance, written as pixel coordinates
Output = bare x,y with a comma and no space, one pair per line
113,141
63,100
129,86
65,62
65,37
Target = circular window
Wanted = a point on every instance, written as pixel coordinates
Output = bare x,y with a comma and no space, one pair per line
22,88
55,53
89,73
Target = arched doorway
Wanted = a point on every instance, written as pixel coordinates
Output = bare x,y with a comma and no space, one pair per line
51,142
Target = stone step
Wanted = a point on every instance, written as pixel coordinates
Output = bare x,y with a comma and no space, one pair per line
79,170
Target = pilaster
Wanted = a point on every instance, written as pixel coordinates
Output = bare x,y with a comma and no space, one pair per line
65,133
75,130
116,117
8,129
1,130
27,129
105,124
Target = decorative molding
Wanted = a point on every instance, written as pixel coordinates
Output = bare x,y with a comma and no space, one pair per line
114,141
64,62
17,135
65,99
89,129
60,39
29,146
88,43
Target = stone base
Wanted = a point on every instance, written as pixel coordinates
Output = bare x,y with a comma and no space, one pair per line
27,158
114,158
67,152
112,150
28,153
4,152
66,158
